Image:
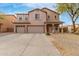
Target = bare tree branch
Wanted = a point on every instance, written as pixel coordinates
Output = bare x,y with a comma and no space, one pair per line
70,15
76,18
76,11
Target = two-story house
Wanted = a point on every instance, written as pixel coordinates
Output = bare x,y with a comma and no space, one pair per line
37,21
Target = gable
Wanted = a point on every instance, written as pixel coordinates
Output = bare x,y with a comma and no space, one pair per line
53,16
46,9
38,10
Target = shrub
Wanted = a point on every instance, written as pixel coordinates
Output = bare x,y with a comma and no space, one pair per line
47,33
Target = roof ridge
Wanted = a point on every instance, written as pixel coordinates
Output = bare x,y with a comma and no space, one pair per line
50,10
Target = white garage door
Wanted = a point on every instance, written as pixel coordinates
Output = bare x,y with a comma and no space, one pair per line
35,29
20,29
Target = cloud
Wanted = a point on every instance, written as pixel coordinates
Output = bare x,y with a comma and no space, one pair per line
12,8
24,7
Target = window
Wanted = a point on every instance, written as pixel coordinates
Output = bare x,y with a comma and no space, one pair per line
55,16
48,17
37,16
25,18
20,18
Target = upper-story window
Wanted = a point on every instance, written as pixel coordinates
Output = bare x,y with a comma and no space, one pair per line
20,18
37,16
26,18
49,17
55,17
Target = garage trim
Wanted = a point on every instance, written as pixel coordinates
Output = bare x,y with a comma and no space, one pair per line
20,26
37,26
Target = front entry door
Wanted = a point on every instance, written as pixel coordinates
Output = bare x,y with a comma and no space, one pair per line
49,28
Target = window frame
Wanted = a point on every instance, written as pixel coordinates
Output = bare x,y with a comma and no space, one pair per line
20,18
55,17
26,18
48,17
37,16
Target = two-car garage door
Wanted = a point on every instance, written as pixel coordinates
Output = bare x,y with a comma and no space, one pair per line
35,29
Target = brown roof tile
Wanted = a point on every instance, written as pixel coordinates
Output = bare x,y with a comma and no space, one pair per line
37,9
21,22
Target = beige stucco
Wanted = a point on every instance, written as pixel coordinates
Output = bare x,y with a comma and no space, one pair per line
23,17
7,22
34,21
70,27
44,13
43,19
52,15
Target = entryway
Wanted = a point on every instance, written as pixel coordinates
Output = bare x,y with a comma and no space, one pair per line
49,28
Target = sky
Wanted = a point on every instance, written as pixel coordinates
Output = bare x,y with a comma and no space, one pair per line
13,8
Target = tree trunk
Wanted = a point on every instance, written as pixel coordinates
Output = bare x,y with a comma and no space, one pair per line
74,29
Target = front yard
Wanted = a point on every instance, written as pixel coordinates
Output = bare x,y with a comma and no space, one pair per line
67,44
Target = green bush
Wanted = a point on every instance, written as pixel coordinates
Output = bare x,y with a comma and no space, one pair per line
47,33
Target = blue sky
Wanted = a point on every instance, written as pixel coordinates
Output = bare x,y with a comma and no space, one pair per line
12,8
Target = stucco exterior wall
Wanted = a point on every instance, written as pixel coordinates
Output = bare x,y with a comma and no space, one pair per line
34,23
37,21
7,22
23,16
52,15
44,13
70,27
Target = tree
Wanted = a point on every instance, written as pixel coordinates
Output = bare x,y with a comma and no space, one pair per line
1,18
72,9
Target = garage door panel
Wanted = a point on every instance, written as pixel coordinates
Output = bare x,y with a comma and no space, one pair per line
35,29
20,29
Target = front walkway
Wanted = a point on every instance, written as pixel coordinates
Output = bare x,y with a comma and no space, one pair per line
27,45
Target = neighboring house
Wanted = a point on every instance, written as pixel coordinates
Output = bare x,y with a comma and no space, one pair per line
37,21
6,23
70,27
63,28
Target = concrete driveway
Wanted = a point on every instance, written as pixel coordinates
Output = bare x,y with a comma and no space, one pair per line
17,44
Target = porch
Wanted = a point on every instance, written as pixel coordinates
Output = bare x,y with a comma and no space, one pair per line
53,27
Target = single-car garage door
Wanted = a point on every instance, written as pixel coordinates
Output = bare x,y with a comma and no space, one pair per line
35,29
20,29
